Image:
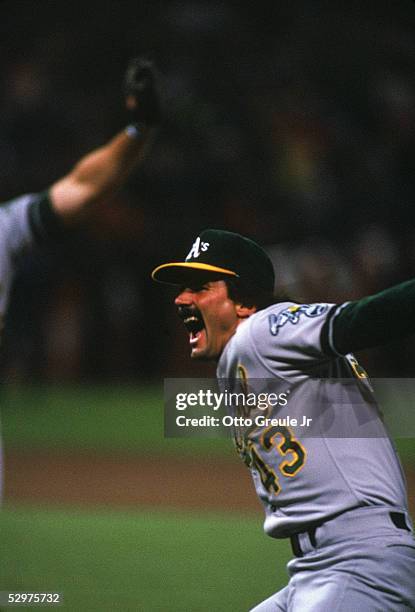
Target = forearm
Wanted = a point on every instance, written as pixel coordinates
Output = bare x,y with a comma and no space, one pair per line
98,174
372,321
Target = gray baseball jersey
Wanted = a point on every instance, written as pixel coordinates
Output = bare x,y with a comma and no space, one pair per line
344,459
20,223
15,236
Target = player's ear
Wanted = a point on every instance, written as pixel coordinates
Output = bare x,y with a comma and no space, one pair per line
243,312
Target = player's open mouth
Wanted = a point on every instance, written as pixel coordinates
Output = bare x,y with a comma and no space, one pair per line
195,325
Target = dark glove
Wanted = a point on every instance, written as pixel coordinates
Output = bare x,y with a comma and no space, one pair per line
141,92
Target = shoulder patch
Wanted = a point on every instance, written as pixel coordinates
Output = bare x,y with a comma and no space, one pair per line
292,315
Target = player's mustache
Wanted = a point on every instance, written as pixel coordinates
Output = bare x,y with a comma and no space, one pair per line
185,312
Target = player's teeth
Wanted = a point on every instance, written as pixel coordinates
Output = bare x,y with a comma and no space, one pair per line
194,337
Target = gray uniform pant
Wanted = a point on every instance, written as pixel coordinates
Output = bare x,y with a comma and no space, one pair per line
358,562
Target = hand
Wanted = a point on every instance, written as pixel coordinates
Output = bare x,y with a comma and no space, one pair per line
141,91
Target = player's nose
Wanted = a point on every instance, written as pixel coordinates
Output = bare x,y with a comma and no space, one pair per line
184,298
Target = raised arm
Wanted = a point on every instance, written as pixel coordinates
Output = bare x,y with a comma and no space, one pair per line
103,171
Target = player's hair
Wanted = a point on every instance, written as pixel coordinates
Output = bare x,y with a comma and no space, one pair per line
249,295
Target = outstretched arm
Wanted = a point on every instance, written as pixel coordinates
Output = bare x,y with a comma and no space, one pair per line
98,174
371,321
103,171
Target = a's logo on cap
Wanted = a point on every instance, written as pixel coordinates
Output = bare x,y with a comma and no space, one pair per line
197,248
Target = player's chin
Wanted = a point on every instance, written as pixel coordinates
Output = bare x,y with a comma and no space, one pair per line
205,353
199,355
200,349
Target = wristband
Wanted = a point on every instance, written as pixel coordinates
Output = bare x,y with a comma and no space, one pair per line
135,130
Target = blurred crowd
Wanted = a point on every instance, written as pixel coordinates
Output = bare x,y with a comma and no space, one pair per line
293,123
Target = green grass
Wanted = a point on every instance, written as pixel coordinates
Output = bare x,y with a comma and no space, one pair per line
141,561
124,418
113,418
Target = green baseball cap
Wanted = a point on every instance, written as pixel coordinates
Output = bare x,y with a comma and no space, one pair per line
218,254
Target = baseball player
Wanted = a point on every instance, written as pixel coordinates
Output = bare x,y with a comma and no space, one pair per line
35,219
338,492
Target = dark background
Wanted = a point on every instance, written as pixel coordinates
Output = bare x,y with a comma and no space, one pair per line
293,123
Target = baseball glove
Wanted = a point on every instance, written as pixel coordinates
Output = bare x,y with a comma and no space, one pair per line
142,92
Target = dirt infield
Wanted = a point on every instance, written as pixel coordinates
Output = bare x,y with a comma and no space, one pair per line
122,481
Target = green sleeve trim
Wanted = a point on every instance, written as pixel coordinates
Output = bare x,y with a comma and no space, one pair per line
45,223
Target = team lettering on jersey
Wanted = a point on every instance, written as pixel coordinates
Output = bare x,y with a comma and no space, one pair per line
293,314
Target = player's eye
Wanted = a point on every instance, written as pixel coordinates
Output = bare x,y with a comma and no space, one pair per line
199,287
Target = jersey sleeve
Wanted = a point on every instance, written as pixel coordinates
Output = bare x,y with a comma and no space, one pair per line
371,321
15,226
27,220
290,333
